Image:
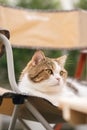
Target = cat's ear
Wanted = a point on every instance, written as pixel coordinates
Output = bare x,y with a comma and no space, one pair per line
37,57
61,60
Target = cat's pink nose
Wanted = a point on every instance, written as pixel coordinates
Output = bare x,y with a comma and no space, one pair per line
58,79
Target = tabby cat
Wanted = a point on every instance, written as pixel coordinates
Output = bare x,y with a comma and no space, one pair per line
46,77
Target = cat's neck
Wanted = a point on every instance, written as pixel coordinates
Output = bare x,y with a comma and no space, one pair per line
27,86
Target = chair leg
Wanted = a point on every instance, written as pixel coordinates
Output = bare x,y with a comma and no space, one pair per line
37,115
24,124
80,65
14,118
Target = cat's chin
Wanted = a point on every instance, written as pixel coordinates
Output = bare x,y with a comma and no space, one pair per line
50,89
55,85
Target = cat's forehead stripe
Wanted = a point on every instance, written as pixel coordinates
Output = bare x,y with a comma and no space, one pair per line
48,63
57,67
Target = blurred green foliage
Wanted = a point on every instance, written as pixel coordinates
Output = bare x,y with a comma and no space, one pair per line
39,4
82,4
3,1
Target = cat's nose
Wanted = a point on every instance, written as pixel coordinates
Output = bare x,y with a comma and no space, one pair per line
58,79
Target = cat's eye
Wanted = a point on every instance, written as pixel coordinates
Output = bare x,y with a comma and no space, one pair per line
49,71
61,73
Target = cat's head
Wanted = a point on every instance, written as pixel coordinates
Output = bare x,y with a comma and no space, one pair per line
46,74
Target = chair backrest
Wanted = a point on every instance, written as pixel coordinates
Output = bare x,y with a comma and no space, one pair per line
45,29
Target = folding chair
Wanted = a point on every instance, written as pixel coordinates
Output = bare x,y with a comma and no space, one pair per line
24,103
26,106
